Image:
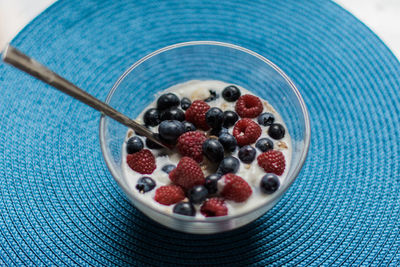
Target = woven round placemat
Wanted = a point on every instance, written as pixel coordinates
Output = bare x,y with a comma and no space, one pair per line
60,206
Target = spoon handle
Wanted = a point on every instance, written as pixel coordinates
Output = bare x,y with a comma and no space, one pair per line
16,58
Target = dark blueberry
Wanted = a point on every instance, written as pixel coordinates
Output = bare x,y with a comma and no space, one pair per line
276,131
152,117
213,150
134,144
230,118
228,141
214,117
211,183
172,114
264,144
150,144
269,183
189,126
229,165
145,184
167,100
170,130
213,96
185,103
231,93
184,208
168,168
247,154
197,194
218,131
266,119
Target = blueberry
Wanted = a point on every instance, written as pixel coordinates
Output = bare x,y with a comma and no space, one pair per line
229,165
184,208
172,114
145,184
214,117
185,103
134,144
266,119
269,183
276,131
230,118
247,154
168,168
170,130
167,100
231,93
150,144
152,117
213,150
228,141
213,96
264,144
218,131
211,183
197,194
189,126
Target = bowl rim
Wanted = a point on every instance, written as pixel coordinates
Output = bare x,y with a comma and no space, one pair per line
275,196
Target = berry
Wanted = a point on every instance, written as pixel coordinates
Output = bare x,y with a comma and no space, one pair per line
145,184
152,117
272,161
184,208
247,154
264,144
168,168
167,100
229,165
187,174
230,118
197,194
185,103
269,183
212,97
246,132
214,117
189,126
235,188
196,114
150,144
213,150
169,194
276,131
214,207
231,93
172,114
170,130
266,119
142,162
249,106
218,131
134,144
190,145
228,141
211,183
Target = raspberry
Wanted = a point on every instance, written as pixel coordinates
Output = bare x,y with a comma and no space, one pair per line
235,188
169,194
214,207
248,106
196,114
142,162
246,132
272,161
187,174
190,145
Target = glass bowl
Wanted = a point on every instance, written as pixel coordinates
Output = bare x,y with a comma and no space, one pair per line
203,60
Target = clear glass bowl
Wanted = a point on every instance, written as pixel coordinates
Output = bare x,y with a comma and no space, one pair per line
203,60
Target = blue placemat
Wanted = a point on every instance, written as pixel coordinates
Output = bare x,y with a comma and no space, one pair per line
60,206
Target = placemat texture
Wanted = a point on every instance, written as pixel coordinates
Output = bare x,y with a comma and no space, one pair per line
60,206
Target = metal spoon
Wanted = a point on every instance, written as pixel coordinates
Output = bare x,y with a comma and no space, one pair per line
16,58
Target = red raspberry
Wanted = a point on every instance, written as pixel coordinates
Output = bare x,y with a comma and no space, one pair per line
248,106
235,188
169,194
196,114
142,162
214,207
246,132
190,145
187,174
272,161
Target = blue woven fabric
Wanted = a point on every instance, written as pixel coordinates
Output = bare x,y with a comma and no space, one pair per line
60,206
